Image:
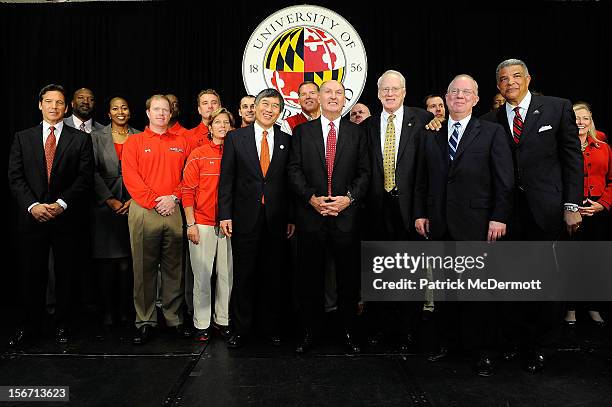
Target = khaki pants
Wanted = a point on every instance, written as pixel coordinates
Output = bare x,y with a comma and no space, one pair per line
212,243
156,241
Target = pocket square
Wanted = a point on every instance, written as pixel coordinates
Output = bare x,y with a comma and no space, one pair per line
544,128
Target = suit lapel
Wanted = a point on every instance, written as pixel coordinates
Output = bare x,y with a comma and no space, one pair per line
532,117
108,148
277,151
317,138
250,147
375,131
442,139
407,132
471,132
343,138
66,138
38,149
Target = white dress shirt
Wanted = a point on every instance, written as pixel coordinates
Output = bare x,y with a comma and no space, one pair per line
77,124
523,107
325,127
451,127
259,136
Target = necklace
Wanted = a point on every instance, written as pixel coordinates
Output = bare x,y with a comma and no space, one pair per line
124,133
584,145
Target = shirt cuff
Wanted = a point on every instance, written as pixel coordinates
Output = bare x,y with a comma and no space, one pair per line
62,203
31,206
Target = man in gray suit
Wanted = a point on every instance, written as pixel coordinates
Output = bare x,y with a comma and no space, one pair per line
83,104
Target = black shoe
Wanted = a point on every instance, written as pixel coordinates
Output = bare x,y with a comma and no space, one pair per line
484,366
351,343
18,339
440,354
182,331
61,336
143,335
201,335
305,344
535,362
407,344
235,341
223,330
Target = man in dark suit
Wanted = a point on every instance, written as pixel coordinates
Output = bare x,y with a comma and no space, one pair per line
50,174
254,212
329,170
548,168
393,150
464,192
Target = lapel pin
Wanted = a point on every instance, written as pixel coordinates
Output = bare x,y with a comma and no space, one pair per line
281,147
409,124
536,112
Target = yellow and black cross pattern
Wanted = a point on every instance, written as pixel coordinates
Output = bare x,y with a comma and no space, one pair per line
286,54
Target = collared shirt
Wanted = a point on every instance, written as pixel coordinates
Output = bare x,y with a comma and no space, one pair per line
201,182
57,130
259,136
178,129
197,136
153,165
451,127
77,124
397,122
523,107
286,126
325,127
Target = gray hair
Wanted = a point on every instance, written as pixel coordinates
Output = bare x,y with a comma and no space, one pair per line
270,93
464,75
507,63
392,72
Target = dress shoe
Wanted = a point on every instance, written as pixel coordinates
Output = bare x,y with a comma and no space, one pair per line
201,335
143,335
61,336
484,366
18,339
305,344
535,362
351,343
223,330
235,341
182,331
440,354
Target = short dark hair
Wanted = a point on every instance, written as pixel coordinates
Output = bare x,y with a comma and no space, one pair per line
50,88
433,95
208,92
270,93
307,83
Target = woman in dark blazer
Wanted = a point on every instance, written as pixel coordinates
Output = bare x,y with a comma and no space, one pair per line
111,242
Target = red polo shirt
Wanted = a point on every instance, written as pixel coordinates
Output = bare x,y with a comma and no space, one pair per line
198,136
153,165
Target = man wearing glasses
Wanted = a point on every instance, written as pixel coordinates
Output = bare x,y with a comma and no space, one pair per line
392,139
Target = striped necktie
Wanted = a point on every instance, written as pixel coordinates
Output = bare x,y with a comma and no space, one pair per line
517,125
453,141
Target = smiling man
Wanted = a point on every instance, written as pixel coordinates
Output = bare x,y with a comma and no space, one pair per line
254,212
246,110
308,93
329,170
83,105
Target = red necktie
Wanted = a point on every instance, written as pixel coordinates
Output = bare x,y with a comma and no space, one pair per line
517,125
264,156
50,151
330,153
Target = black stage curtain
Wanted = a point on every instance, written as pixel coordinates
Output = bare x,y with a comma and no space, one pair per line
137,49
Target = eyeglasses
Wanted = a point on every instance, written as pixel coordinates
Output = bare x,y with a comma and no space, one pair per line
466,92
392,90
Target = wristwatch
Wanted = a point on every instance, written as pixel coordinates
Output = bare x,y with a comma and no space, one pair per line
350,197
570,207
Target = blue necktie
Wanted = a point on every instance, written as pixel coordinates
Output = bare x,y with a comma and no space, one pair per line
453,141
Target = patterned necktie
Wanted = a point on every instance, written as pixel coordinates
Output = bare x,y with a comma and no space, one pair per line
453,141
264,157
82,127
50,146
389,155
330,154
517,125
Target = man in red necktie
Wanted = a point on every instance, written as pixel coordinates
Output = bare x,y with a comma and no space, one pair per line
50,174
329,171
